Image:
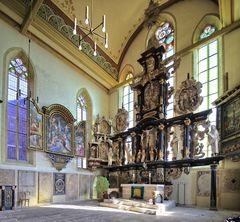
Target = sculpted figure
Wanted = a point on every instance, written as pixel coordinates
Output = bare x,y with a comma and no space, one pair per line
151,153
174,145
110,154
139,156
213,138
143,155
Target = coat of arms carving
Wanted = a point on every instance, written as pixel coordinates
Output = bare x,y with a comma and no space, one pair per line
121,120
187,97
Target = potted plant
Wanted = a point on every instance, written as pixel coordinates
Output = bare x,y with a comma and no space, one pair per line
102,186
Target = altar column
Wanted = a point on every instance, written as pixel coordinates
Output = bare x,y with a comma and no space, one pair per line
213,196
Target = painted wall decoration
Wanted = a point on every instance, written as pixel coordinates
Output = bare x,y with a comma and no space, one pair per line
59,184
203,183
231,181
80,141
59,130
35,127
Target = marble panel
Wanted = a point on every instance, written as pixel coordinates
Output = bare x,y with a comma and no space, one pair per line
7,177
27,182
45,187
71,188
84,186
203,183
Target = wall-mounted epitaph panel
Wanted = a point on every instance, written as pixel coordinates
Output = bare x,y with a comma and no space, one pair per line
59,184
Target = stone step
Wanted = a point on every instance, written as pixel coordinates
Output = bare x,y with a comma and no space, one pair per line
129,208
139,206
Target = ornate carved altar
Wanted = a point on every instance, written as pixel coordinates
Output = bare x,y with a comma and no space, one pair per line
100,147
143,152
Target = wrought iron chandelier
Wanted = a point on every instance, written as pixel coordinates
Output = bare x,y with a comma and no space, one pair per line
90,30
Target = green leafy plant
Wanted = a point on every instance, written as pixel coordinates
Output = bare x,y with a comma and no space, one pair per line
102,184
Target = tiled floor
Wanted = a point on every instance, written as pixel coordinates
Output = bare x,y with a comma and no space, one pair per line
89,211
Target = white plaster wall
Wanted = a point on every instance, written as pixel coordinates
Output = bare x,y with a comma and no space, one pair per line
231,43
55,82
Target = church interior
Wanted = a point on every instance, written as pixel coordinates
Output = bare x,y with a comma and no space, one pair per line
150,118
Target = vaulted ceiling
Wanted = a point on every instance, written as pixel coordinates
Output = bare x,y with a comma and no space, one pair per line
51,22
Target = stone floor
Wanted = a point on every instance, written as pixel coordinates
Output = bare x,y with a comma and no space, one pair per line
89,211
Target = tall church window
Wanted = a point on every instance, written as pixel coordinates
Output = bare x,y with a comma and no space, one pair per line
165,37
83,114
128,101
18,85
207,72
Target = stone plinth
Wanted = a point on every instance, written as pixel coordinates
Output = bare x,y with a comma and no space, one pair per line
148,190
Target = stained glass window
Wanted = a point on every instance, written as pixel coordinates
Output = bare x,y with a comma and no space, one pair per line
128,101
165,37
208,30
17,110
207,72
82,115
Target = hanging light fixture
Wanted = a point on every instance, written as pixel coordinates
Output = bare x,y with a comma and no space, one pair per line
91,31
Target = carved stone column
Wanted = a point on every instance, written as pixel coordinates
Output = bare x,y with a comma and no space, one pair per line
213,196
121,149
186,139
134,150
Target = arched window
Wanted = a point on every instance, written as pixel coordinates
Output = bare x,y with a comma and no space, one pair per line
165,36
84,113
18,87
128,101
207,72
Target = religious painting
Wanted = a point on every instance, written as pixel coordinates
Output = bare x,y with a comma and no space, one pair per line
80,134
35,131
59,184
230,118
59,130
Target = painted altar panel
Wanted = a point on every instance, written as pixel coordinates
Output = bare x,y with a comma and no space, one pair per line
35,127
80,138
59,130
230,118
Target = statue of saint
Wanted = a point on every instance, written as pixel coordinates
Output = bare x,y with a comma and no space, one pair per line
151,153
213,138
93,152
139,156
110,154
174,145
143,155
